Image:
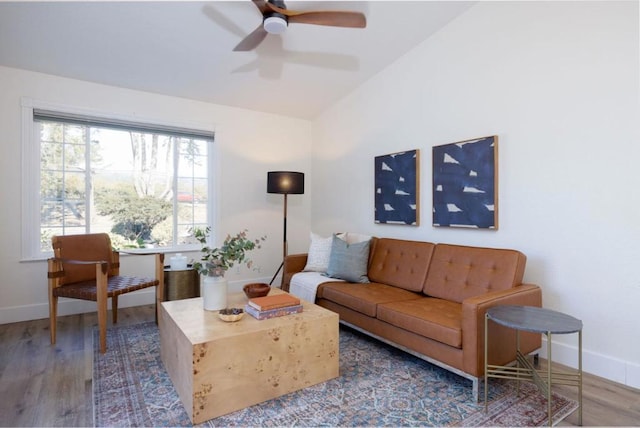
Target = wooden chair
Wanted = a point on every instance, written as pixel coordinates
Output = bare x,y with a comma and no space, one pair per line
86,267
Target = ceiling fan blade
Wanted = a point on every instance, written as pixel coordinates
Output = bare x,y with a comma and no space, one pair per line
337,18
261,5
334,19
252,40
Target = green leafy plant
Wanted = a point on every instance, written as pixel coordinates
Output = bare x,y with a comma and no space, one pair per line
216,261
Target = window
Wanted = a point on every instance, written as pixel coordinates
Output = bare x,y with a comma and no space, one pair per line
145,185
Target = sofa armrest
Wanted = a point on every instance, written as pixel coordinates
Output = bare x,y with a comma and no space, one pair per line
293,264
502,342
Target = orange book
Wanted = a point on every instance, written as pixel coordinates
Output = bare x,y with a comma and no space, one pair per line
275,301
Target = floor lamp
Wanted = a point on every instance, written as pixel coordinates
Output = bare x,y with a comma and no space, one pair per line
284,183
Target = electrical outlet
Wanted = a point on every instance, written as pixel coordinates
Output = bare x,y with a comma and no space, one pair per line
237,270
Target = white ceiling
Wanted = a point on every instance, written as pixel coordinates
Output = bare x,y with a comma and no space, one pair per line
185,48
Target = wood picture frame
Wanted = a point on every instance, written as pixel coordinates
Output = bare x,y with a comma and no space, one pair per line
465,184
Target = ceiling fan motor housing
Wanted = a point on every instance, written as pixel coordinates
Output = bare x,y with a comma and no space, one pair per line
275,23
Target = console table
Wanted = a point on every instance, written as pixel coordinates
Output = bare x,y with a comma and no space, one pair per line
536,320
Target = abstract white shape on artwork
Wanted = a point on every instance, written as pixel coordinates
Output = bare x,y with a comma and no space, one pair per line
452,208
469,189
385,167
388,207
449,159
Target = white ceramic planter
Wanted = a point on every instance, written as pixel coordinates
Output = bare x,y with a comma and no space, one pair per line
213,292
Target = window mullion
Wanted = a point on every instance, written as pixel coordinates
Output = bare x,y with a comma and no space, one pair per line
63,174
174,185
88,185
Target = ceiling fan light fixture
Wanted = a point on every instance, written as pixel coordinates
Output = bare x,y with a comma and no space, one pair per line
275,25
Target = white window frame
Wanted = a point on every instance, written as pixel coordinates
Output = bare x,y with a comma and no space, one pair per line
30,164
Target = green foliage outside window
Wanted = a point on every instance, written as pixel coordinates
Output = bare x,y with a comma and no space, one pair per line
134,217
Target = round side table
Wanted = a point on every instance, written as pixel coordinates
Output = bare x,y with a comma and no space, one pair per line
536,320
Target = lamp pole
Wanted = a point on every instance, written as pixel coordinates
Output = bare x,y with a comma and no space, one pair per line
285,245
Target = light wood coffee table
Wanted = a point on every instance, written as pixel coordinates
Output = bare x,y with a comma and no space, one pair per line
218,367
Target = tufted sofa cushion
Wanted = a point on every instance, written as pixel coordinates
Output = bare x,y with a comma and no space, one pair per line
459,272
402,264
436,319
363,298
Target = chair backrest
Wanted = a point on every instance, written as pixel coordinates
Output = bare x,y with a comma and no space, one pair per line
88,247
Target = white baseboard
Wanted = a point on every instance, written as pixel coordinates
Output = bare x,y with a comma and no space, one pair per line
74,306
620,371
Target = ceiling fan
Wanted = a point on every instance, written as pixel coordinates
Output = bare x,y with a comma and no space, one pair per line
276,17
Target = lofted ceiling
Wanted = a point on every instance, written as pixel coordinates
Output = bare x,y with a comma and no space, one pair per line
185,48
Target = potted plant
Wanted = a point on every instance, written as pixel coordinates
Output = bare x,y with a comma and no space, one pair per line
215,262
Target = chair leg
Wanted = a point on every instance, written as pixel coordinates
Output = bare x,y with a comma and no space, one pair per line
52,282
102,326
101,300
53,317
114,308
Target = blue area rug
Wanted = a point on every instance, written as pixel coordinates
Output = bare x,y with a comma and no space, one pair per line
378,386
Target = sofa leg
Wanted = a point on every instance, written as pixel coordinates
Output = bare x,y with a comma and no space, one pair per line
476,389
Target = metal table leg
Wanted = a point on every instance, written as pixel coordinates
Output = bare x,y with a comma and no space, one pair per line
549,377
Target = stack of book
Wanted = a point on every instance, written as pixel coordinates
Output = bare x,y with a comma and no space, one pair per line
273,306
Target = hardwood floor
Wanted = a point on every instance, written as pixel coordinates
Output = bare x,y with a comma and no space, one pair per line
44,385
605,403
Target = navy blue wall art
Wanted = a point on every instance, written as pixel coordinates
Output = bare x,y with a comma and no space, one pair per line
465,184
397,189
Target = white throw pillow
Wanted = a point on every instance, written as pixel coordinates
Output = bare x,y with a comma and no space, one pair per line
319,253
320,249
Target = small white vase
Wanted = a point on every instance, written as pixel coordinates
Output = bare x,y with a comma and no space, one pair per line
213,292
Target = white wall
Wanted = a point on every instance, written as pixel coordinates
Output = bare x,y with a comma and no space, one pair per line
249,144
558,83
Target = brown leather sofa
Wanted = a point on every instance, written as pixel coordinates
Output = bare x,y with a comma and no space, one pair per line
430,300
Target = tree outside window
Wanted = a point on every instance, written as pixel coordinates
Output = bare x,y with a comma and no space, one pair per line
146,189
